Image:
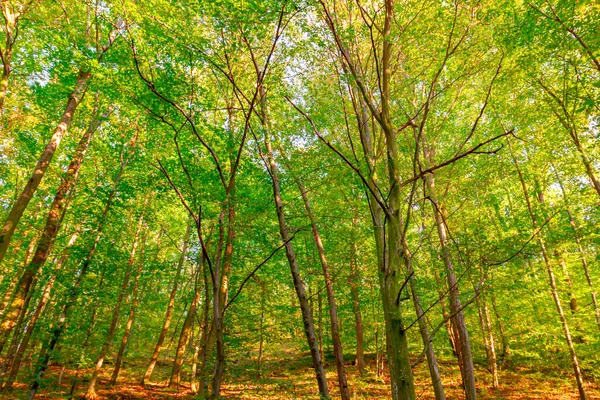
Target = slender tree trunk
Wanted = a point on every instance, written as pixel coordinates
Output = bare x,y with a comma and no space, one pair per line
221,278
377,350
492,361
458,320
51,229
20,205
572,298
14,361
434,371
263,301
136,298
205,343
170,307
16,334
184,337
505,355
319,330
284,231
194,371
354,282
91,390
57,331
582,256
10,32
392,253
335,334
488,339
8,294
200,351
221,296
452,336
589,169
391,250
553,286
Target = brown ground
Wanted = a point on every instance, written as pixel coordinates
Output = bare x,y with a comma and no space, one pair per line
289,378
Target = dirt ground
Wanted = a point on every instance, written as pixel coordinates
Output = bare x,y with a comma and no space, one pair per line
293,378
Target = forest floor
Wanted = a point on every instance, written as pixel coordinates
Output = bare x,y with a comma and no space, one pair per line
288,377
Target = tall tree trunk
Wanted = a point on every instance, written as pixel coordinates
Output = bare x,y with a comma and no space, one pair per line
57,330
51,229
184,337
458,320
8,294
390,246
552,282
207,333
170,307
136,298
505,355
11,20
261,343
15,354
572,298
200,352
284,231
319,326
195,358
354,280
220,295
488,338
582,256
221,269
335,334
91,390
392,253
19,206
432,364
17,348
16,334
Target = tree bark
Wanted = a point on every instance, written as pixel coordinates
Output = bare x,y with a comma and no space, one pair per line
19,206
170,307
15,353
582,256
263,301
200,352
488,339
10,31
91,390
354,280
184,337
286,237
465,357
220,294
432,364
8,294
207,333
51,229
57,331
505,355
136,298
335,334
552,282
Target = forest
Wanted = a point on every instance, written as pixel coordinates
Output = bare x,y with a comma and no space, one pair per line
300,199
